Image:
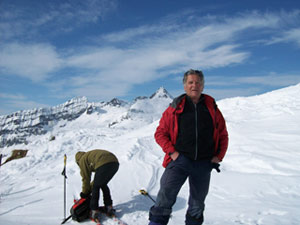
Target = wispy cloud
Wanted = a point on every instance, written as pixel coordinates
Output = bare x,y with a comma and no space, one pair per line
118,60
34,19
158,51
32,61
69,14
292,35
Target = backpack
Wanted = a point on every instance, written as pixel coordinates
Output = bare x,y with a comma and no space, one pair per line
81,209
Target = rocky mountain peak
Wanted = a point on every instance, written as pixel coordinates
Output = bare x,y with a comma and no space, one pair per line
161,93
116,102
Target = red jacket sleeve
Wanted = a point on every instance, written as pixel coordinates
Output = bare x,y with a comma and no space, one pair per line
163,132
223,135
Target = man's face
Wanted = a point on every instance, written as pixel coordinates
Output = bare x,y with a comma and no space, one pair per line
193,86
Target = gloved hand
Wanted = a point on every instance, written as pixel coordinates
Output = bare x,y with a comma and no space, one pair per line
216,166
83,195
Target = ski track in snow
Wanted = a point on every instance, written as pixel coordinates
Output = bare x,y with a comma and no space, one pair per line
258,185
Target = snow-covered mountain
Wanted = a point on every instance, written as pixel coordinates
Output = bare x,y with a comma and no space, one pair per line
259,182
18,127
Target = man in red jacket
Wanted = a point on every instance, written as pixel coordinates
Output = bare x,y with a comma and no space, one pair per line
192,132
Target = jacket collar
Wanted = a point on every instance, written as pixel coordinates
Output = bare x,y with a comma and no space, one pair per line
178,102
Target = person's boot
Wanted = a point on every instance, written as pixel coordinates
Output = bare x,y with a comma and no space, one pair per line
110,211
189,220
95,215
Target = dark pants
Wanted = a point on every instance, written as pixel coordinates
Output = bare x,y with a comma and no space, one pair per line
102,176
171,182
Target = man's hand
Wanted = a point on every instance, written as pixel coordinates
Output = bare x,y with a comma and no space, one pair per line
215,159
174,155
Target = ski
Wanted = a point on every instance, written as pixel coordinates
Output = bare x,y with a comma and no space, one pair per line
116,220
114,217
119,221
64,173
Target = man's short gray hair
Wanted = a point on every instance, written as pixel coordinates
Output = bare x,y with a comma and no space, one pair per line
193,72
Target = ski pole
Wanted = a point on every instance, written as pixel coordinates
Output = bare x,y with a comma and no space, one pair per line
65,178
0,166
145,193
65,220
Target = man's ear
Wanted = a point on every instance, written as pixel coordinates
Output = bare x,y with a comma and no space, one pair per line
184,87
202,88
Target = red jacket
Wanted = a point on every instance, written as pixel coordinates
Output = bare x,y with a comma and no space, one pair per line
167,131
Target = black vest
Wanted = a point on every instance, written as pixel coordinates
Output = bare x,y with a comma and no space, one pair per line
195,131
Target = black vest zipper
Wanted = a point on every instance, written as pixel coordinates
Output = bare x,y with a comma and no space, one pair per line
196,121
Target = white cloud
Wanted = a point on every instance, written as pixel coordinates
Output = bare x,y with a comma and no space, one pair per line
132,34
159,50
77,12
292,35
96,58
136,55
58,16
204,47
32,61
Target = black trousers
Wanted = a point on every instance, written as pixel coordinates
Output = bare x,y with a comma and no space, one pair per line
102,176
177,172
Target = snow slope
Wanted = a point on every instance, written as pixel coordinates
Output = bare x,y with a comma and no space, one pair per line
259,182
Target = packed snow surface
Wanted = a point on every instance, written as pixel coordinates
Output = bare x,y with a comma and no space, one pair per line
259,183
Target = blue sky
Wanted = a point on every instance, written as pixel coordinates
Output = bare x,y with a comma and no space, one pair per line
52,51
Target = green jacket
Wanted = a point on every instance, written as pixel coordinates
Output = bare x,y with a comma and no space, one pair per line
88,162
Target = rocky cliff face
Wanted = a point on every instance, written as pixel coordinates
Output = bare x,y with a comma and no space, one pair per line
16,127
